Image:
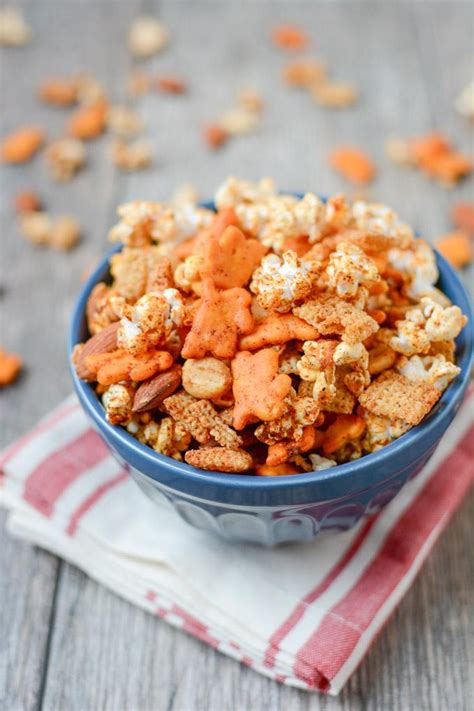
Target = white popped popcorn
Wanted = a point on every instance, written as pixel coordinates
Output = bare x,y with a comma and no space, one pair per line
143,222
465,101
320,463
146,37
348,267
442,324
419,264
351,354
381,431
14,31
117,401
280,282
379,219
434,370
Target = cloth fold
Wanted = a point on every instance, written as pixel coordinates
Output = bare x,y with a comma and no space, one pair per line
304,615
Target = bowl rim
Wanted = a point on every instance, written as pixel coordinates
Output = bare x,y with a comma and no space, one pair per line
442,410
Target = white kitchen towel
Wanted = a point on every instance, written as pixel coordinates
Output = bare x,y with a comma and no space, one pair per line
304,615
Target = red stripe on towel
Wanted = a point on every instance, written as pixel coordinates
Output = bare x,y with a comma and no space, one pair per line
332,643
92,499
58,471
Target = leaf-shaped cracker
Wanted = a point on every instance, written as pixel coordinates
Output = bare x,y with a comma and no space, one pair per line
259,390
230,259
220,318
278,328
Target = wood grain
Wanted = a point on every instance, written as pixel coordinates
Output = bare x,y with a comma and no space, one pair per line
66,643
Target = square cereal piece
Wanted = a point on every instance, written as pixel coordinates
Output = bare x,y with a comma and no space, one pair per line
393,394
331,315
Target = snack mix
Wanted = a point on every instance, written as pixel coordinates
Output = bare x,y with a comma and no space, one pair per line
277,335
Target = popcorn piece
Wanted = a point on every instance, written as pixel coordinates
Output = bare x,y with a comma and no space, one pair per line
331,315
65,233
270,217
351,354
378,219
65,158
88,121
266,402
465,101
280,283
320,463
220,459
418,264
10,367
219,320
206,378
434,370
381,430
334,94
136,155
299,413
143,222
456,248
353,164
124,121
276,329
398,150
167,437
147,36
117,401
62,232
36,227
238,121
410,338
187,275
151,320
14,31
348,268
230,258
21,145
443,324
392,392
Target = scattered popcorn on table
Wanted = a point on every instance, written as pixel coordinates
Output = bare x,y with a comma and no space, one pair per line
14,30
65,157
124,121
277,336
465,101
136,155
147,36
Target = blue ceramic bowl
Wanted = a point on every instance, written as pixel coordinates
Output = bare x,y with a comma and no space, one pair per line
272,510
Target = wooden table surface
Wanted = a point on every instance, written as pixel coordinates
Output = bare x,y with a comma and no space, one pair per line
65,642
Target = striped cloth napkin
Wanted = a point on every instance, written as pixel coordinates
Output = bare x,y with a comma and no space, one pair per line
303,615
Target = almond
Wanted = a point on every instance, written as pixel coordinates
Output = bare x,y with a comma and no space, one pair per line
152,393
21,145
103,342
